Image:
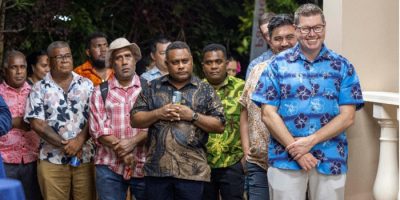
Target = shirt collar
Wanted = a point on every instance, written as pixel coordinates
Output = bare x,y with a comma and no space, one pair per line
193,80
155,71
296,53
87,65
24,87
75,77
134,83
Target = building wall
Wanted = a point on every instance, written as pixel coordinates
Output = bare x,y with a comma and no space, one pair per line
367,33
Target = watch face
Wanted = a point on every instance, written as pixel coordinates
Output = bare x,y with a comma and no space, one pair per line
195,117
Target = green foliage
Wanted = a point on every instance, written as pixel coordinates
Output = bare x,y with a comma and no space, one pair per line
23,4
199,23
282,6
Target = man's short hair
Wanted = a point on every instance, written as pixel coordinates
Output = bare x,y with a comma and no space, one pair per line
264,18
278,21
92,36
56,45
12,54
158,40
307,10
215,47
177,45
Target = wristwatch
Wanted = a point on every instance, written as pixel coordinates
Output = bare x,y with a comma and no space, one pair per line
195,116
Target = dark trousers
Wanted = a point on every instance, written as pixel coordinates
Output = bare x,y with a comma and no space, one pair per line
27,174
227,182
112,186
168,188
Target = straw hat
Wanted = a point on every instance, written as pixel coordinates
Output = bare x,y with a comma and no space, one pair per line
120,43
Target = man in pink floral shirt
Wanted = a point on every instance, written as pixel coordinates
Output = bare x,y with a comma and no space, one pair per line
119,155
20,147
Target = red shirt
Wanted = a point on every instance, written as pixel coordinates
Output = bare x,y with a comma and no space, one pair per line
18,146
88,71
114,119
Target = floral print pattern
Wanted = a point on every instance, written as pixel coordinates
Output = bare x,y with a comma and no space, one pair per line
308,96
66,113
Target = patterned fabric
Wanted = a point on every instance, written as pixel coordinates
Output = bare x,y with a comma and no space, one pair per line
224,150
262,58
87,70
177,149
258,132
151,74
308,95
5,117
66,113
114,119
18,146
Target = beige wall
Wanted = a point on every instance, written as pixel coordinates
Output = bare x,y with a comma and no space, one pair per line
367,33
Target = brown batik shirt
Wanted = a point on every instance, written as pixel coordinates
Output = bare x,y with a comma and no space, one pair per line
177,149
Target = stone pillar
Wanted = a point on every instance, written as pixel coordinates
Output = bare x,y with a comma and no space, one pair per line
386,186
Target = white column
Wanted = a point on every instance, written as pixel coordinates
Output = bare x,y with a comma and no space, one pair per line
386,186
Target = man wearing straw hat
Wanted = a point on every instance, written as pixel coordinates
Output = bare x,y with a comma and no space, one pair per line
118,144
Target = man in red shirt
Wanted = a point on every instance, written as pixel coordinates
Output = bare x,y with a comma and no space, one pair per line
118,144
20,147
95,67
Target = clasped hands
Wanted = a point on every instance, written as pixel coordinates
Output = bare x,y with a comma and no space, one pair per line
124,148
300,149
73,147
175,112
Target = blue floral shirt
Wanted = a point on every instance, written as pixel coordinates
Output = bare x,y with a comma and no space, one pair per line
308,95
263,57
151,74
66,113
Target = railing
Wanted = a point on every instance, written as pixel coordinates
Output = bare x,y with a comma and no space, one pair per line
386,112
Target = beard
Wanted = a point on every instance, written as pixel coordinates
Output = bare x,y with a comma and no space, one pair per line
100,64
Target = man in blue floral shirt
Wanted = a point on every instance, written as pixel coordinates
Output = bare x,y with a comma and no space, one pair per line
57,110
309,95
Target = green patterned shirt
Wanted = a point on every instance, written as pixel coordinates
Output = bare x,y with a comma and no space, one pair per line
225,149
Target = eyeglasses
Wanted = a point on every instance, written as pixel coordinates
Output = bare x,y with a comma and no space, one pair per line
60,58
307,29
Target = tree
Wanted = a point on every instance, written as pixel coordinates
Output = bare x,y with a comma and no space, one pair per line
33,24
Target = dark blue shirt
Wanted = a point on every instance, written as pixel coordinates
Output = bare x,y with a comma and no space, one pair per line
5,117
5,126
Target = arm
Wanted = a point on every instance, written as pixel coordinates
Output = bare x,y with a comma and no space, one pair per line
205,122
19,123
125,146
336,126
244,131
144,119
46,132
5,118
275,125
72,146
278,130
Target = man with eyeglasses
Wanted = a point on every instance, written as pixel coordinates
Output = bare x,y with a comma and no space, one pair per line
57,110
309,95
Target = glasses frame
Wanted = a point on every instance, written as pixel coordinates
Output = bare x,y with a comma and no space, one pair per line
308,29
60,58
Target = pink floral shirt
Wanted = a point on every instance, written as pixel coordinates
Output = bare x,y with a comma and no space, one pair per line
18,146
